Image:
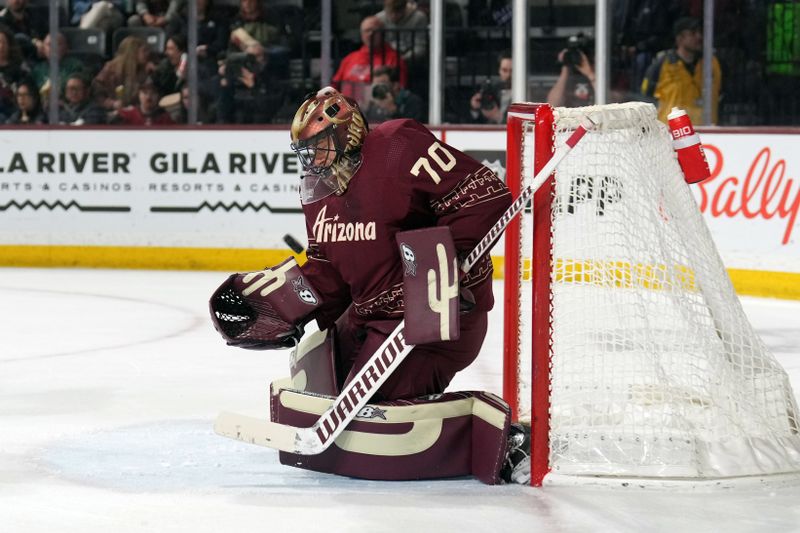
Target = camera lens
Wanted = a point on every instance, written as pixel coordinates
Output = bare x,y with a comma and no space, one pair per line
572,57
379,92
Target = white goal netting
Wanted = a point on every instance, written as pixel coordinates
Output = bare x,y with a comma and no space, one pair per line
655,370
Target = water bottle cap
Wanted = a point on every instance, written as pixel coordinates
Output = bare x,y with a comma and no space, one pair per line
675,113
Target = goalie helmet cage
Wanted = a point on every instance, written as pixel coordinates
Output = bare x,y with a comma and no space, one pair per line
625,345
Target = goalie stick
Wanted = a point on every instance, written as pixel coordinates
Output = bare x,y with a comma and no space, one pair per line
355,395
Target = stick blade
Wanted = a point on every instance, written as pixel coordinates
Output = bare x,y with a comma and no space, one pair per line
260,432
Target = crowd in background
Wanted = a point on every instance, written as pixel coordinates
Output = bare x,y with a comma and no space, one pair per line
142,80
257,59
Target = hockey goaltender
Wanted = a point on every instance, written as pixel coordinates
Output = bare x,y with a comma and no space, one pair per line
389,213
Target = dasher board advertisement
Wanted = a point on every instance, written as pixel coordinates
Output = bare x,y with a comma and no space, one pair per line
215,188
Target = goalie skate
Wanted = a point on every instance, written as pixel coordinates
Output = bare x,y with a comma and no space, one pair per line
517,465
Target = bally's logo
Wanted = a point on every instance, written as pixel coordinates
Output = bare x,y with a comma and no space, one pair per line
331,230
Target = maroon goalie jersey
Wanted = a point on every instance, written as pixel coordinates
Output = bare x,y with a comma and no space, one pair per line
408,179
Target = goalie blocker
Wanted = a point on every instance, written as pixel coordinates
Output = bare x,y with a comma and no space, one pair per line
430,285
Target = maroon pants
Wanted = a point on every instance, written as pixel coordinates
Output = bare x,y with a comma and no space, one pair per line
428,369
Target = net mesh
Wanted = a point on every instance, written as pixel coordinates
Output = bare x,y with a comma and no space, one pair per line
655,370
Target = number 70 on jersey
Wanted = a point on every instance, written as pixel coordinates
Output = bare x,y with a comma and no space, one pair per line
439,155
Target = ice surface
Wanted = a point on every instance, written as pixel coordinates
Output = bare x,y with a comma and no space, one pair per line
110,381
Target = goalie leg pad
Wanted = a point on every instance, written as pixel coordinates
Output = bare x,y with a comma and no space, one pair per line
444,435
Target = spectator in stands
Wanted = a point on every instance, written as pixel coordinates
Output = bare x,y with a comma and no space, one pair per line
675,78
389,100
99,14
213,32
171,70
117,84
77,107
354,77
251,24
248,93
410,23
26,27
181,113
153,13
29,105
575,84
66,65
11,71
489,104
642,28
146,111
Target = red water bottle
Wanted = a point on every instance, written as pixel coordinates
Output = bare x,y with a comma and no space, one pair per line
687,145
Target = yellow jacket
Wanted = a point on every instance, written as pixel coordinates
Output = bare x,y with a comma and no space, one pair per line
669,80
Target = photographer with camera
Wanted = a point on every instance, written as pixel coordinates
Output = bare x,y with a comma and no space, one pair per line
575,84
490,103
248,92
390,100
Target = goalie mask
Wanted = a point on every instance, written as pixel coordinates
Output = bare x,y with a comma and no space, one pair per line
327,133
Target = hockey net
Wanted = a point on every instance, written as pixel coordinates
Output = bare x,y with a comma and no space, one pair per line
625,345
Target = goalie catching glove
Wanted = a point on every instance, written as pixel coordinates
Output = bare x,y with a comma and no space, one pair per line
264,310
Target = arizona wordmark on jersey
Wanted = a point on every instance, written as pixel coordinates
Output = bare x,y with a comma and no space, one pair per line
329,229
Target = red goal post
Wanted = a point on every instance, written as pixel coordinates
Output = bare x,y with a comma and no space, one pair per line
625,346
525,158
